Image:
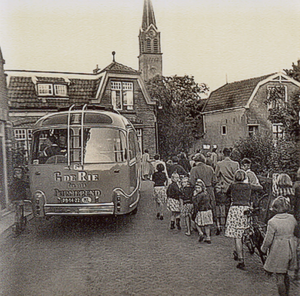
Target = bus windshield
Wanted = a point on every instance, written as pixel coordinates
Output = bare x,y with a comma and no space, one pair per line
104,145
100,145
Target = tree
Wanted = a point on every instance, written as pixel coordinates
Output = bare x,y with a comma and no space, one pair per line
268,157
178,114
293,126
294,72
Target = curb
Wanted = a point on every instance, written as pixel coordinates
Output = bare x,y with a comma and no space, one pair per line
8,222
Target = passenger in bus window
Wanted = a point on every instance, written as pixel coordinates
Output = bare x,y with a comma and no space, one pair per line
51,149
62,143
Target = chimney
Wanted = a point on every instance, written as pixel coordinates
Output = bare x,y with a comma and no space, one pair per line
95,71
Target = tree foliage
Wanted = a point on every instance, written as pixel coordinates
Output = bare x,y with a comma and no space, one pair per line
294,72
268,157
178,113
285,113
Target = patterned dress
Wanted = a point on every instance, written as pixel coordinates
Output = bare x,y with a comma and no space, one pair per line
202,205
173,196
237,221
160,191
188,207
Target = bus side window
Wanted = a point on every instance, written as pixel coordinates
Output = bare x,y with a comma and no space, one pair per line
132,146
120,147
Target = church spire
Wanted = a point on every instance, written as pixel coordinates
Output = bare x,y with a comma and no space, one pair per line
148,15
150,58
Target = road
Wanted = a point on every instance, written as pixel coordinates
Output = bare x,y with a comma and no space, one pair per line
132,255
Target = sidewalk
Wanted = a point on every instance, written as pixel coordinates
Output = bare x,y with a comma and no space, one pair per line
7,218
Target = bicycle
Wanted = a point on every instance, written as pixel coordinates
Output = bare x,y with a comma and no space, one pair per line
20,218
254,235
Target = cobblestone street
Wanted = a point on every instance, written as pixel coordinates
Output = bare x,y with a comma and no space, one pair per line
136,255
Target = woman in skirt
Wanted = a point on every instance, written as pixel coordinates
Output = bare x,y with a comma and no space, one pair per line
237,221
159,193
173,204
203,210
187,207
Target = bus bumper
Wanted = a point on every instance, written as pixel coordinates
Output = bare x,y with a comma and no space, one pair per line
79,209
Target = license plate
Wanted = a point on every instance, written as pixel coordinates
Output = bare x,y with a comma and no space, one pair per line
68,200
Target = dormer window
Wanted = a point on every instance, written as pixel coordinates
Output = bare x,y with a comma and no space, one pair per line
60,90
49,89
122,95
45,89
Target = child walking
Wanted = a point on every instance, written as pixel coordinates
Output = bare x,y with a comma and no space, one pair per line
159,194
187,203
203,209
281,243
173,204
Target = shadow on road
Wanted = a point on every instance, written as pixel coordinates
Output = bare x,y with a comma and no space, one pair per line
81,226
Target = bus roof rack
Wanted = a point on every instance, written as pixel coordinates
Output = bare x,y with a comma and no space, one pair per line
90,107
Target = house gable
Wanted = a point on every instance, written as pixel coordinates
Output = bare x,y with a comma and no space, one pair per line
273,79
232,113
240,94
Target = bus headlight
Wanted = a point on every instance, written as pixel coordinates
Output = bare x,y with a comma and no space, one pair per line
38,203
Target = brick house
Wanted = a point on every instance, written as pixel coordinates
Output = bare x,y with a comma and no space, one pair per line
238,110
33,94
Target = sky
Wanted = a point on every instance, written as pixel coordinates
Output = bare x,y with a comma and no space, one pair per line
216,41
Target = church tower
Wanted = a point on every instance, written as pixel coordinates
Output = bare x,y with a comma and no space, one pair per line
150,57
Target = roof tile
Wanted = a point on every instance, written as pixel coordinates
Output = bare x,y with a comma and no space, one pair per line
231,95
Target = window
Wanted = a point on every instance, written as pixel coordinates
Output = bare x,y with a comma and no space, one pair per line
148,45
276,94
252,130
49,89
278,132
45,90
122,95
155,45
60,89
223,130
23,139
111,148
132,145
139,133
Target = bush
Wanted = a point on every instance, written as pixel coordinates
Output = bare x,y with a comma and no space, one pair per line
267,156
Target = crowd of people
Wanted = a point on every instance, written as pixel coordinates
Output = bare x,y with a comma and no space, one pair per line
210,192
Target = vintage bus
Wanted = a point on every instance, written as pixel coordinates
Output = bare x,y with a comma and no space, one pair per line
85,161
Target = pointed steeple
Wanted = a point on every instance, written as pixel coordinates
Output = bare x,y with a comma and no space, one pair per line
2,61
150,58
148,15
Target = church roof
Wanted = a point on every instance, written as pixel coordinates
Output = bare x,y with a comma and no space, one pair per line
119,68
148,15
233,95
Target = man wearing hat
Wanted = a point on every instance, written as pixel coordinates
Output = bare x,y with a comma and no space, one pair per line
206,173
